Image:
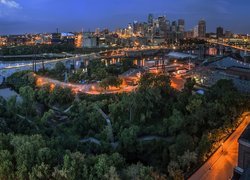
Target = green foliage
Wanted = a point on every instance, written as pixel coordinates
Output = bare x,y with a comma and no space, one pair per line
154,81
43,94
111,81
154,128
61,95
40,172
38,49
20,79
174,171
60,68
138,172
28,95
6,165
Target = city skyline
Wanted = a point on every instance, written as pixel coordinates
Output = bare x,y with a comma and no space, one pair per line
18,16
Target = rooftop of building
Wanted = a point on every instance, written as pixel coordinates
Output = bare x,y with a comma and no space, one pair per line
180,55
245,136
246,175
229,62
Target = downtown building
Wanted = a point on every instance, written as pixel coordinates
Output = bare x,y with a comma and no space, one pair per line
202,29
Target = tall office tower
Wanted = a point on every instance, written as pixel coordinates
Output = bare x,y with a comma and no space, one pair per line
156,27
130,29
219,32
136,27
181,25
196,31
202,29
150,19
162,24
174,26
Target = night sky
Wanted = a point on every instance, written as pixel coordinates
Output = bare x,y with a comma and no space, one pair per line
32,16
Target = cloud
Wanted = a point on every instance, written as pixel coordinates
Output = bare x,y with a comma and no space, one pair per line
10,3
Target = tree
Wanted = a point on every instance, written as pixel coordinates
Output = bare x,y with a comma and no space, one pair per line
194,104
111,81
28,96
26,152
128,137
160,81
6,165
112,174
175,123
174,171
187,159
60,68
43,94
189,86
39,172
61,96
183,143
11,107
204,146
138,172
74,166
47,116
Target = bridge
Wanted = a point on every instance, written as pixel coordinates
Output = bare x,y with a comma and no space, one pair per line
9,69
228,45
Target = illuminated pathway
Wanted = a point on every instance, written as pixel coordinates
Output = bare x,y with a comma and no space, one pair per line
83,88
221,164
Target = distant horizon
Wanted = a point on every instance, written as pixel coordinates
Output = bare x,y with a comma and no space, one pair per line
21,17
122,27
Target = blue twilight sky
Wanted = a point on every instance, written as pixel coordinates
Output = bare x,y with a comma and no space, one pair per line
20,16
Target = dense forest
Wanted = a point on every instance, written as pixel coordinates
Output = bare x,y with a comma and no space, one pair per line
155,132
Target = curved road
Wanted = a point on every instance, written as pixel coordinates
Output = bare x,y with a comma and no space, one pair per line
221,164
84,88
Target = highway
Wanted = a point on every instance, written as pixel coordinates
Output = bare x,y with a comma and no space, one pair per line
221,164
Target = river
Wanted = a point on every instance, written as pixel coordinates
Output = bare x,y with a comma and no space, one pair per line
7,93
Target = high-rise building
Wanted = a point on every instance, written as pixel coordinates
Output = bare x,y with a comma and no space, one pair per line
150,19
219,32
174,26
130,29
162,24
181,25
202,29
196,31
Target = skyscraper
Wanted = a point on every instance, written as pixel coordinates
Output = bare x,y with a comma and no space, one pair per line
162,23
174,26
219,32
196,31
202,29
150,19
181,25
